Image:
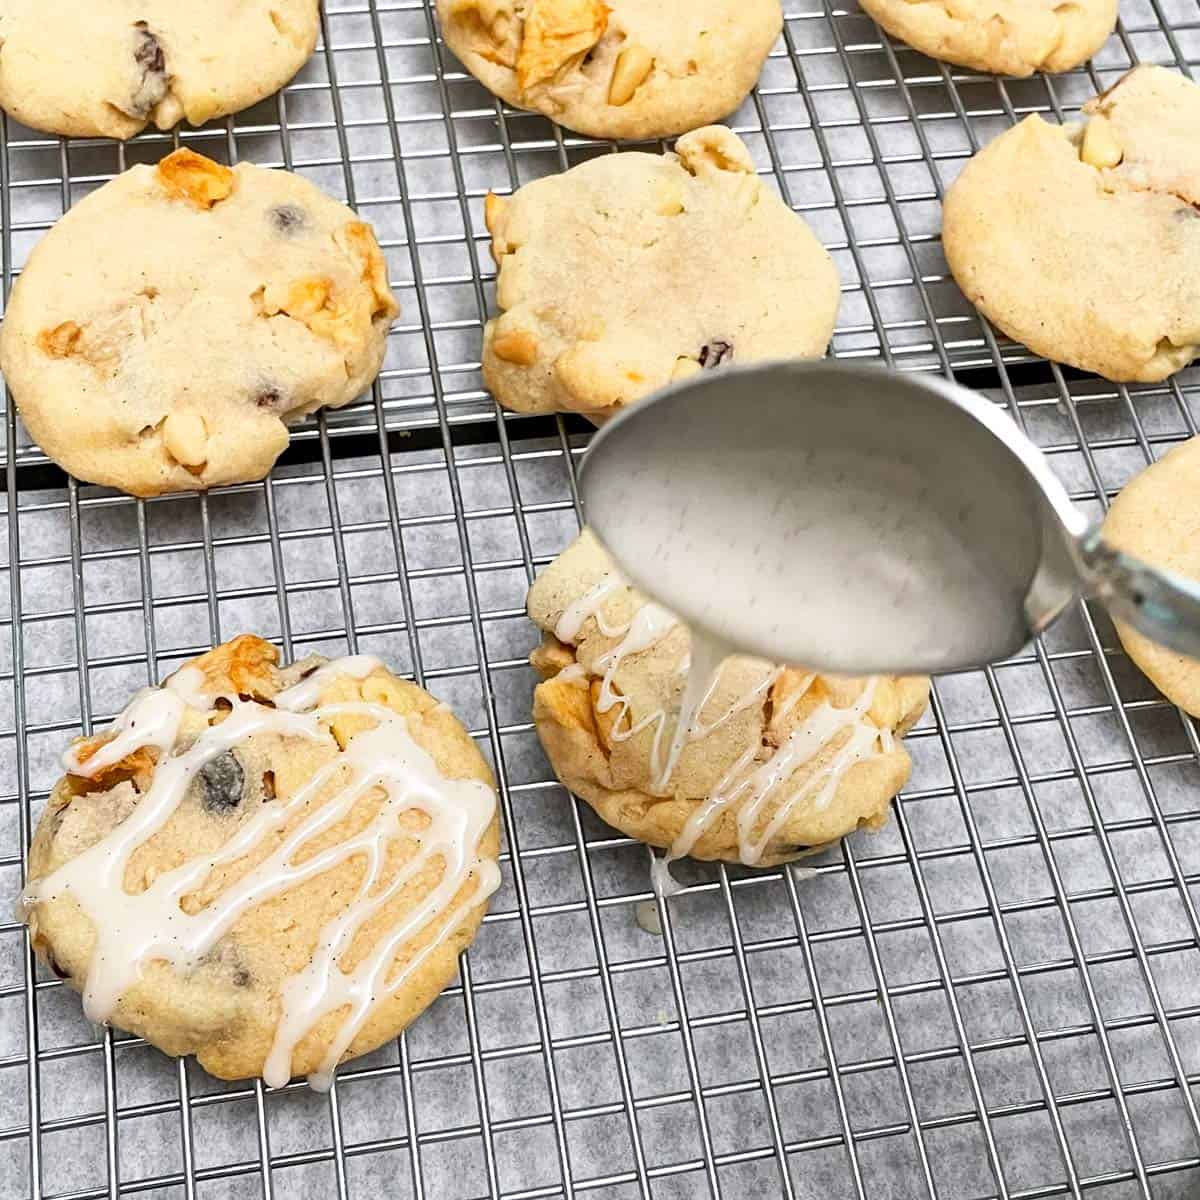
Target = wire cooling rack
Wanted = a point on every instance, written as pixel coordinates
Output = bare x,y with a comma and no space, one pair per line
996,996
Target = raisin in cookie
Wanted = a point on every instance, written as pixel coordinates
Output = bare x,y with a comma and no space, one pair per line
1083,241
634,269
624,69
168,327
274,870
1157,518
777,760
108,68
1006,37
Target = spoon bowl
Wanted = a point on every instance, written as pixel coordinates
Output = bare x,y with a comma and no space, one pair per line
855,520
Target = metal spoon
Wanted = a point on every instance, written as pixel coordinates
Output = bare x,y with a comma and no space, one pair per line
856,520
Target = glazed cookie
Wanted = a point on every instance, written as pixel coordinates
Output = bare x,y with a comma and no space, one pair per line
1083,241
1157,518
108,68
167,329
777,760
1006,37
634,269
623,69
274,870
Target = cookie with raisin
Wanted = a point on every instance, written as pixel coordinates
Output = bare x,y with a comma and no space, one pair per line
167,330
272,868
110,68
632,270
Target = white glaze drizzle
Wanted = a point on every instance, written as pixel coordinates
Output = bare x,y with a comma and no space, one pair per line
748,784
702,665
650,624
754,784
188,684
303,695
567,627
132,929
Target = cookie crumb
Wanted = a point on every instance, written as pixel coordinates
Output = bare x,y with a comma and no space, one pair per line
646,914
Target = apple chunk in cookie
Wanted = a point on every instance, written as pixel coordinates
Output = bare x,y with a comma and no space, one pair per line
616,68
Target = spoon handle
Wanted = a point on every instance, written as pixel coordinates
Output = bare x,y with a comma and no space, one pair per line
1160,604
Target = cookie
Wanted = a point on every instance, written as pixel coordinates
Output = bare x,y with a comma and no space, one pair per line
634,269
109,68
1083,241
1156,518
778,759
274,870
1005,37
623,69
167,329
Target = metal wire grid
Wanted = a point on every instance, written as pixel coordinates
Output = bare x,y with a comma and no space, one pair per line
994,997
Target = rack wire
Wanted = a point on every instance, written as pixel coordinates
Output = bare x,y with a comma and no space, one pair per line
995,997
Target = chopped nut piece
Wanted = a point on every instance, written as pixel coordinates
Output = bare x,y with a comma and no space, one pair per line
551,656
557,32
1100,147
186,175
185,437
342,317
493,211
713,148
669,201
247,660
60,342
357,238
309,301
137,766
633,65
518,346
303,299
